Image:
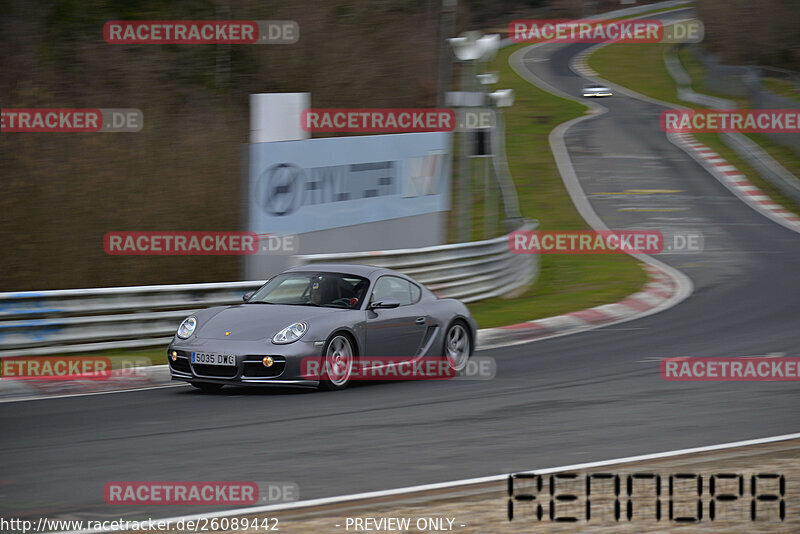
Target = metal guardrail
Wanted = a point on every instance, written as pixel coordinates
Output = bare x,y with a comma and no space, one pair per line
81,320
78,320
470,271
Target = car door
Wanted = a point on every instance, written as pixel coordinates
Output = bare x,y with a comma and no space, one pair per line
396,331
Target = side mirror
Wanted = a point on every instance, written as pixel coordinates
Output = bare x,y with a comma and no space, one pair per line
247,296
385,304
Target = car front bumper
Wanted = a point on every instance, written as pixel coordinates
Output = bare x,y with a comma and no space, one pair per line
249,369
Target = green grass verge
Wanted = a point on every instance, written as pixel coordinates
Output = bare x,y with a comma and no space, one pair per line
641,67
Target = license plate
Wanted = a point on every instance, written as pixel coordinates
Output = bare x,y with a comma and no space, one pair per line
207,358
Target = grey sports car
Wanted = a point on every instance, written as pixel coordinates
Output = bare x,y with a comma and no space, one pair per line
328,314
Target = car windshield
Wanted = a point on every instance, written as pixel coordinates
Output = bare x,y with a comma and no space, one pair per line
333,290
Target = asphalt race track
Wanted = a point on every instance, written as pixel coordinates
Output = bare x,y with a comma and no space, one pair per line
578,398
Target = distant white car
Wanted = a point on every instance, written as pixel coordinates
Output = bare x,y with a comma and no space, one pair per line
596,91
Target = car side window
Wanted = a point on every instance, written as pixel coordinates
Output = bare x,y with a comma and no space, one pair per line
397,288
415,293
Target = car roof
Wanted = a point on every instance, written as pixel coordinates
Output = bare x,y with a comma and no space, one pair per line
346,268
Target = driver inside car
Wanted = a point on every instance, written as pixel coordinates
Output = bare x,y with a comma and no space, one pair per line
323,291
327,291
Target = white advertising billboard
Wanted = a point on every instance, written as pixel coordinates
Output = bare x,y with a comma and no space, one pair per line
316,184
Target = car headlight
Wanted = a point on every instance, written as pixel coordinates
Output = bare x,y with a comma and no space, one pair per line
291,333
187,327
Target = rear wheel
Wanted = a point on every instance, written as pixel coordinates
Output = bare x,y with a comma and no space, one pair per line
206,387
337,363
457,346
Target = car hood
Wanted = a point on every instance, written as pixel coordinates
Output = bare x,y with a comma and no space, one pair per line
252,322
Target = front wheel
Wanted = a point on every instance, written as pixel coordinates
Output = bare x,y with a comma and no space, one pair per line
457,346
337,364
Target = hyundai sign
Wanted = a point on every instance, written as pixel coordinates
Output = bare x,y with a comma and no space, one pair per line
315,184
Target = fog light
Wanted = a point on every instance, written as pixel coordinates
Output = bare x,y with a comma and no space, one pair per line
267,361
174,355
